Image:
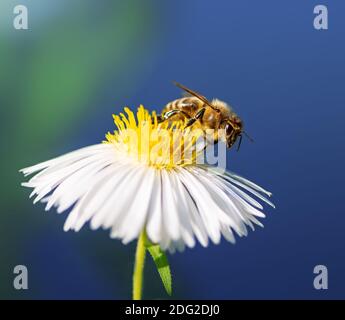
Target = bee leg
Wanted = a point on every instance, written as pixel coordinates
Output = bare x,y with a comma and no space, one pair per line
170,114
159,118
197,116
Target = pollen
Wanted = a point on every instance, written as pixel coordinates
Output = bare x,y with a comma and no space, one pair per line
162,145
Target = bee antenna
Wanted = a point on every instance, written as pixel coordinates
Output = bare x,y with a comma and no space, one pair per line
239,143
248,136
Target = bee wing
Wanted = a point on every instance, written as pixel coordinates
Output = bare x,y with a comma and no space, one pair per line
195,94
185,94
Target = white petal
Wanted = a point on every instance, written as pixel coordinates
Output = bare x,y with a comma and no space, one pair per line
154,220
173,205
66,158
182,210
169,208
118,193
74,186
135,218
226,204
98,192
207,208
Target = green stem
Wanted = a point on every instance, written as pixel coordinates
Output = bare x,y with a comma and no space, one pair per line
139,267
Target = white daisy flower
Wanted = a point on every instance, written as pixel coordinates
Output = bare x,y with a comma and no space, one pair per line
131,182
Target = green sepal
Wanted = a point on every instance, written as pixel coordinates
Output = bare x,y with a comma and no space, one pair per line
161,261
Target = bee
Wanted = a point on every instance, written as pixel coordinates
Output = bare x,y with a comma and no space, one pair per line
202,113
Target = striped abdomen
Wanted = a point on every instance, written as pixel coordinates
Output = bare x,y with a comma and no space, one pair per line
189,105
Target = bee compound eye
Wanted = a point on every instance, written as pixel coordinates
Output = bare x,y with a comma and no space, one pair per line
228,129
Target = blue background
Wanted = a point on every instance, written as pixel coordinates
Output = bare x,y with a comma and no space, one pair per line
81,61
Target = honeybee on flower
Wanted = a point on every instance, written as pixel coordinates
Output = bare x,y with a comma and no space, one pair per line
145,182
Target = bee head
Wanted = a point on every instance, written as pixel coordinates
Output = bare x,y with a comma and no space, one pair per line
233,130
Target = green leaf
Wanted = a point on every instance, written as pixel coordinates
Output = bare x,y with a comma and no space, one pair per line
161,261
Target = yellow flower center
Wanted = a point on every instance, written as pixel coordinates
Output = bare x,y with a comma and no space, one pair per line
167,144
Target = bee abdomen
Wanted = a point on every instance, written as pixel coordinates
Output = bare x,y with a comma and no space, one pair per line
187,104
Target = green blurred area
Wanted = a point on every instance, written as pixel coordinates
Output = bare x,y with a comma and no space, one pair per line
50,74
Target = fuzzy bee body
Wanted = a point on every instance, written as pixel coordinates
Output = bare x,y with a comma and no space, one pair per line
204,114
